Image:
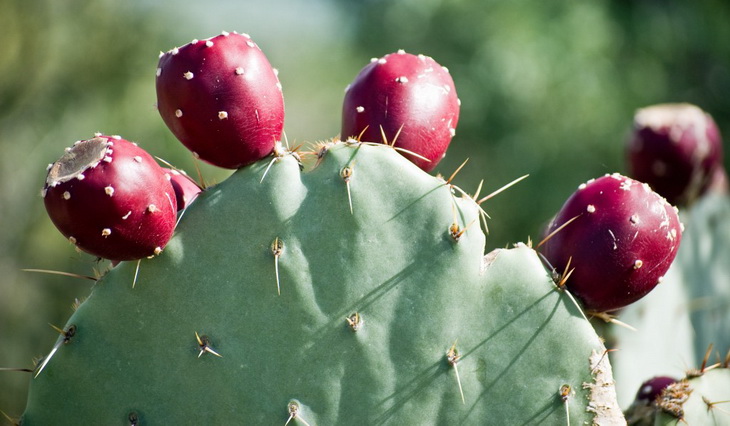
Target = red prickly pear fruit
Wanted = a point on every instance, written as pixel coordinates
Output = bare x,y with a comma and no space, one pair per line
408,97
111,199
652,388
676,149
186,190
222,99
621,243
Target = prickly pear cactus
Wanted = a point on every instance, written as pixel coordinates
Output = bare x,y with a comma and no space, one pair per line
354,293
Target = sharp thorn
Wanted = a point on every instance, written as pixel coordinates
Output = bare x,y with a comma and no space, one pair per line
478,191
47,359
271,163
611,319
22,370
560,228
502,189
136,273
359,137
65,274
458,169
349,197
382,134
276,266
196,164
403,150
601,360
707,357
395,138
286,139
182,213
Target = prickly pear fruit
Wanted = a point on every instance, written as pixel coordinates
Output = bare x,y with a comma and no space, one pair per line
410,99
222,99
622,241
652,388
676,149
111,199
185,188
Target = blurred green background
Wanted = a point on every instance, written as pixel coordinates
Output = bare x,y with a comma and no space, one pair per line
548,88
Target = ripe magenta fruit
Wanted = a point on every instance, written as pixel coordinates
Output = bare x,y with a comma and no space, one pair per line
111,199
652,388
222,99
676,149
186,190
623,240
410,97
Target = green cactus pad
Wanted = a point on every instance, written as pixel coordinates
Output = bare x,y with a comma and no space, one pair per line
383,317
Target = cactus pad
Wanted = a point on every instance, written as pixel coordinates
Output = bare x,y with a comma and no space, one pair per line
277,302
